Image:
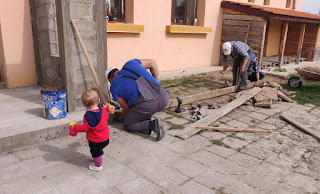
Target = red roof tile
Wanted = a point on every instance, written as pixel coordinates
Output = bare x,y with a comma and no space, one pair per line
271,11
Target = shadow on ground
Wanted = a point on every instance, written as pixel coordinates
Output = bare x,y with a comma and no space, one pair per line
69,155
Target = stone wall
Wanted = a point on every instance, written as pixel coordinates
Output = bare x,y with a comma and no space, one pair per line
74,71
45,34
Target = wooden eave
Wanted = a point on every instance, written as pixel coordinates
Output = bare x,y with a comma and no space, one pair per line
267,15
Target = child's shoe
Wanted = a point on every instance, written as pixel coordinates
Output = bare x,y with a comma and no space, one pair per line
93,167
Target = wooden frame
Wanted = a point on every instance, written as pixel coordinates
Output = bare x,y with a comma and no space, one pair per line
185,11
123,8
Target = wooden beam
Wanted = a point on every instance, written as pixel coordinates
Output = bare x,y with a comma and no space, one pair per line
304,128
233,129
217,114
262,44
206,95
301,39
283,42
202,96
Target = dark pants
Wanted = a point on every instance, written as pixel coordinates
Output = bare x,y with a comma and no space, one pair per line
241,76
153,99
96,149
253,77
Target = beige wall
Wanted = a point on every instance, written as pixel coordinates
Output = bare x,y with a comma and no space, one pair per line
171,51
17,43
274,36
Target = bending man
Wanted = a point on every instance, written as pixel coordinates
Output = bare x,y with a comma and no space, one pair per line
140,95
241,53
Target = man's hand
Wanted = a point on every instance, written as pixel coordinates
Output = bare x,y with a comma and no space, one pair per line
225,66
125,108
243,67
256,83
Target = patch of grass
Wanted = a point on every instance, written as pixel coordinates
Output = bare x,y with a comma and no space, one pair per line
170,86
220,190
175,115
199,132
191,121
280,69
294,75
176,127
10,152
223,122
217,142
308,93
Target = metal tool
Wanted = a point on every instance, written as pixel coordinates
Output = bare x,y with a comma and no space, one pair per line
178,109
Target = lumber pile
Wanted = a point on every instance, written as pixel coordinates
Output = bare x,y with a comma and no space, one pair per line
217,114
271,93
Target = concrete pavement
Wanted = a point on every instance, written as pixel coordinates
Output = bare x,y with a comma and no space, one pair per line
285,161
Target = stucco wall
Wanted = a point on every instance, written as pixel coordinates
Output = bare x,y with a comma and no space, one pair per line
171,51
18,50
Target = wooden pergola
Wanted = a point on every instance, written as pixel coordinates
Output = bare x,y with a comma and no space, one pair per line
249,23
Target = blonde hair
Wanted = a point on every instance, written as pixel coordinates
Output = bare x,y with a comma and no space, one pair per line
90,98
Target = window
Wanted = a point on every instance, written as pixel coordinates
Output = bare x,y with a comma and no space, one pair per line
251,1
266,2
116,10
288,5
184,12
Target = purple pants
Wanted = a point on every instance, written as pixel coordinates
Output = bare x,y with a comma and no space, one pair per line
153,99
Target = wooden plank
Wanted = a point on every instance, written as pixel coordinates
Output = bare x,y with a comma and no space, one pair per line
257,24
303,30
235,22
254,41
246,40
233,129
283,42
242,17
202,96
217,114
234,28
230,11
292,120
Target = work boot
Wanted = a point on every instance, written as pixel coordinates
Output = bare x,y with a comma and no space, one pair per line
156,126
240,88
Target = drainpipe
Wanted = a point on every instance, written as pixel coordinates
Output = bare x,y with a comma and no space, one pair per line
194,13
294,4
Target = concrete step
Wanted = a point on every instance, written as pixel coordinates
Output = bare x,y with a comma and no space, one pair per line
30,131
22,122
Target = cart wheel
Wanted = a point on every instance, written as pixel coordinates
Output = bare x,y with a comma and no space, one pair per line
295,82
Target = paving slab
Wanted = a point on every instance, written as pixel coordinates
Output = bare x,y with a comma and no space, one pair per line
208,162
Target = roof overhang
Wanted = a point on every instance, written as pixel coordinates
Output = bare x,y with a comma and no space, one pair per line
268,12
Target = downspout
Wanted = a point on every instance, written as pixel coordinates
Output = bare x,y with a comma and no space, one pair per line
294,4
194,13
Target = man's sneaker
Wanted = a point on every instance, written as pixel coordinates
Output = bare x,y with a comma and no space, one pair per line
95,168
157,127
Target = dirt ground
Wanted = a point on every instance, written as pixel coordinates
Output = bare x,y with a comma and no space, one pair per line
203,82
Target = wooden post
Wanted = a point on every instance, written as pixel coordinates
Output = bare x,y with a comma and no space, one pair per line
301,39
283,41
262,44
